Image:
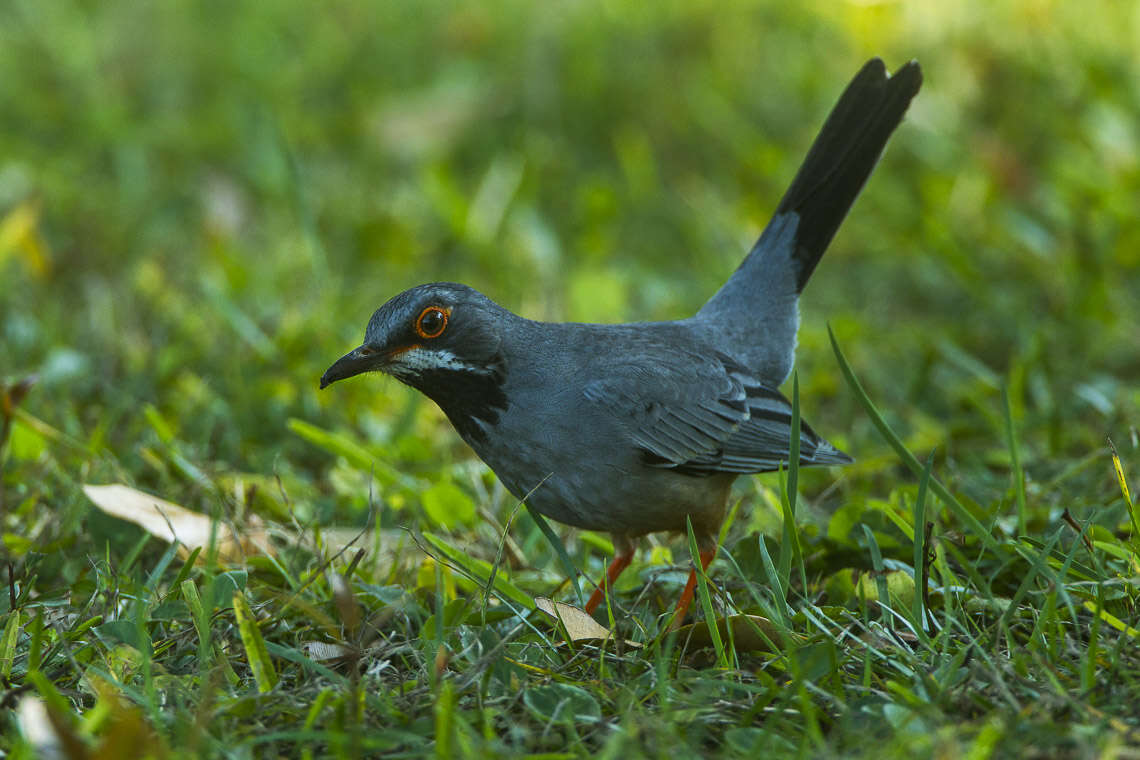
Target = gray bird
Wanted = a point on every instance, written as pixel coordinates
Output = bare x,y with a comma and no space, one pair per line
634,428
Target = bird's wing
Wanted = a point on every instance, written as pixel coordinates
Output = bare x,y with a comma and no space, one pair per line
703,414
762,443
674,405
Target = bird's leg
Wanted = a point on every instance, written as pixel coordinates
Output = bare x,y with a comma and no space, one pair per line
686,599
623,555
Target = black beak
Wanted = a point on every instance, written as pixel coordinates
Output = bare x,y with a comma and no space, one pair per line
358,360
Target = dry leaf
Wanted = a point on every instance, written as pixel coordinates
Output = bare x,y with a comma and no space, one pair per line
322,651
170,522
346,603
579,625
744,633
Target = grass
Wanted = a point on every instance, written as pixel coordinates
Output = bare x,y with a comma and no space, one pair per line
201,205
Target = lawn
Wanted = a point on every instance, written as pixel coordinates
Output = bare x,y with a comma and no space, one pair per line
201,204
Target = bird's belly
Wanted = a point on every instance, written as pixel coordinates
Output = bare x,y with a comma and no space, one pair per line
608,488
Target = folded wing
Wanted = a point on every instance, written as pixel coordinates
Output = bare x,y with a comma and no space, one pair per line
703,415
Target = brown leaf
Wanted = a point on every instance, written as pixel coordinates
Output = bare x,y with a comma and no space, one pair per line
171,522
579,625
346,603
744,633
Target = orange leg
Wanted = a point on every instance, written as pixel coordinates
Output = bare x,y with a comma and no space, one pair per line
623,555
687,595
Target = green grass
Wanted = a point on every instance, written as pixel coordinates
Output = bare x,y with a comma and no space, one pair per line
201,204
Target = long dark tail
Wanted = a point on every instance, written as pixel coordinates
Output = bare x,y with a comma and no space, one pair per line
843,156
755,312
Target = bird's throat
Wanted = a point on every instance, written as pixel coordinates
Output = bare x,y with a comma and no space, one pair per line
471,399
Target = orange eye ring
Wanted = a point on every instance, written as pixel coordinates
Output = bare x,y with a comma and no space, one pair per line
431,322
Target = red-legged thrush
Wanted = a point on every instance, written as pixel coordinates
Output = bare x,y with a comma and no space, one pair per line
637,428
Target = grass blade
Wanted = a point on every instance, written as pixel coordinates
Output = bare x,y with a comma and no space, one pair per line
264,674
904,454
880,575
8,643
198,617
1015,461
1123,482
480,571
444,721
794,446
705,597
559,550
781,605
921,566
791,535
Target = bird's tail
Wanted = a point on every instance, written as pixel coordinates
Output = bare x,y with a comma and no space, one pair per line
760,298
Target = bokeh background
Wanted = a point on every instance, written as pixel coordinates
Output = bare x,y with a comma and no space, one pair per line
202,202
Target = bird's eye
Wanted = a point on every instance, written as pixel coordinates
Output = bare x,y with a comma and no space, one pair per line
431,322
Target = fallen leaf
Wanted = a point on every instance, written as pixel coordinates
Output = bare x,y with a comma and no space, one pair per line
322,651
745,635
346,603
171,522
579,625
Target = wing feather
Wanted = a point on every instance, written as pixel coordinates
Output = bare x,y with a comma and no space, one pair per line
707,414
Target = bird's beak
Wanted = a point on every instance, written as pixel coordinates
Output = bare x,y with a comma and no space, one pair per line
358,360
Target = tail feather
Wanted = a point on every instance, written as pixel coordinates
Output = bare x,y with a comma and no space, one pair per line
756,312
843,156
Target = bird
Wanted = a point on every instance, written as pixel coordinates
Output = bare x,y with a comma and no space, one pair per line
643,427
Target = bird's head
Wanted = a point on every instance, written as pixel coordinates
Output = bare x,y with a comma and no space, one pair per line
431,330
444,340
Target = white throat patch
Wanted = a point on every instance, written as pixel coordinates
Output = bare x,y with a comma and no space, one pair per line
418,360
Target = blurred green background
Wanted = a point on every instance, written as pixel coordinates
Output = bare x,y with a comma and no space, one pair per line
201,203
